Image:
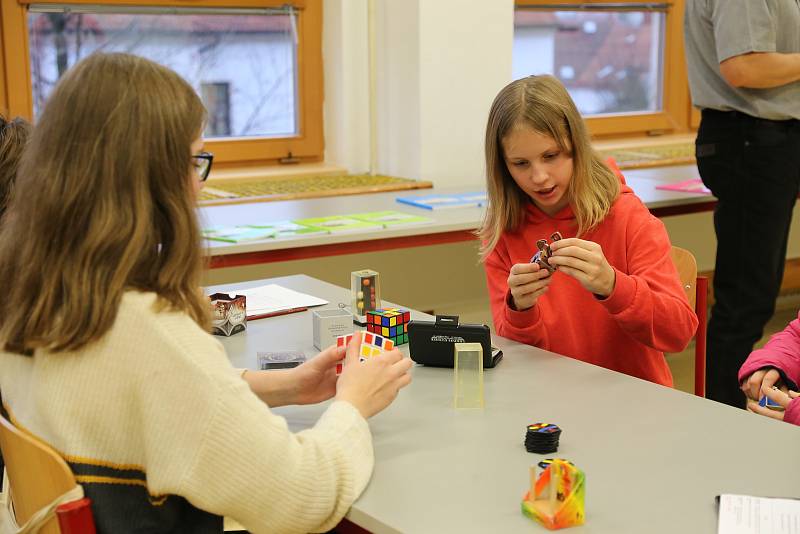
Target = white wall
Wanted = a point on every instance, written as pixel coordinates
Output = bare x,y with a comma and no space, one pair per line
439,65
345,59
466,59
534,51
399,119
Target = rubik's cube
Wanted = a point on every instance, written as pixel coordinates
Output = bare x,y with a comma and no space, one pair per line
391,323
371,345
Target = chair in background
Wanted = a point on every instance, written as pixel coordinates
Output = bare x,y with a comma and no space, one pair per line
39,477
696,288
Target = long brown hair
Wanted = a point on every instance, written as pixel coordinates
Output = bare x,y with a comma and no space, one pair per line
103,205
543,104
13,136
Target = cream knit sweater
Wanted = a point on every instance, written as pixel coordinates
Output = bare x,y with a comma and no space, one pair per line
155,407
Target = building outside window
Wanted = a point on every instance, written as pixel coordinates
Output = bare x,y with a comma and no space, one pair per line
255,56
611,62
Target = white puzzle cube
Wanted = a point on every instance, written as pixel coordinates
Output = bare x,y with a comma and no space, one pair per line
371,345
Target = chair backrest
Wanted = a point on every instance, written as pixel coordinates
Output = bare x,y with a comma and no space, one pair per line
696,288
36,473
687,271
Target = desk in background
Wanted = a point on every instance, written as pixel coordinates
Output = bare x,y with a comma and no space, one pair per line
654,457
449,226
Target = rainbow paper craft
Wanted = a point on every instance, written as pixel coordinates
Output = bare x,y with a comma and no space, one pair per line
694,185
556,498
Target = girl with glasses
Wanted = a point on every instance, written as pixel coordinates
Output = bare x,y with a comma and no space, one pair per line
104,344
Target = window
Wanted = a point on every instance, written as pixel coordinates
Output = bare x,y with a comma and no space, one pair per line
257,69
622,62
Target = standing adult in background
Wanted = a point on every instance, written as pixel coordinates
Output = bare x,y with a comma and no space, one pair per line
744,73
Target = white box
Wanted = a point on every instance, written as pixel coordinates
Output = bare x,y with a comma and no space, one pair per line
330,324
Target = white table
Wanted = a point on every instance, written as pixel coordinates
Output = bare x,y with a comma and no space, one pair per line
654,457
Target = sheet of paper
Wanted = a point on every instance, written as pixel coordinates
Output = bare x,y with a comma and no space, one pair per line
745,514
274,298
687,186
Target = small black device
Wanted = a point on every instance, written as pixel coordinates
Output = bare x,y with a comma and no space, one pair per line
280,360
431,342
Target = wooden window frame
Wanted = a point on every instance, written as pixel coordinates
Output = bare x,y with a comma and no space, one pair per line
676,115
307,146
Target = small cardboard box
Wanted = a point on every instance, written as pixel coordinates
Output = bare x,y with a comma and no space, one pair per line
230,314
330,324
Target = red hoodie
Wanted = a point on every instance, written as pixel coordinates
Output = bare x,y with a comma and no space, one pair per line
647,312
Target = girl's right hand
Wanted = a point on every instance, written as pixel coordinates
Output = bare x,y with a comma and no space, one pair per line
782,398
763,378
372,385
527,282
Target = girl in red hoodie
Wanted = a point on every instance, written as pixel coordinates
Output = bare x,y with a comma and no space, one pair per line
615,299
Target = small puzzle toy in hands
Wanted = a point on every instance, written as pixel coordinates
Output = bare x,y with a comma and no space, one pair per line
557,496
371,345
766,402
544,252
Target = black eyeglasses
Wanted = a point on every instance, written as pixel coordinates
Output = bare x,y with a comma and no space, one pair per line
202,164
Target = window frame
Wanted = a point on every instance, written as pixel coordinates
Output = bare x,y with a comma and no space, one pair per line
675,117
306,146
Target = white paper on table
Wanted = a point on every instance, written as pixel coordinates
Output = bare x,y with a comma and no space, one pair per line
273,298
745,514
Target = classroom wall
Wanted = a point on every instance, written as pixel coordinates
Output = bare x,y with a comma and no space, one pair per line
438,66
344,37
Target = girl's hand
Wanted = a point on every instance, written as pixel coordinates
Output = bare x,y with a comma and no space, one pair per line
372,385
782,398
315,380
763,378
527,282
585,262
311,382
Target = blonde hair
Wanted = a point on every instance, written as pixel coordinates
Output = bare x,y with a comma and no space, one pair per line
542,104
13,136
103,204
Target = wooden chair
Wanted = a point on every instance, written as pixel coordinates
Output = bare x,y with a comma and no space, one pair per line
38,476
696,288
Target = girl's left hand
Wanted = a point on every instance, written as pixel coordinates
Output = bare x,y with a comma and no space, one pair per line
315,380
585,262
778,396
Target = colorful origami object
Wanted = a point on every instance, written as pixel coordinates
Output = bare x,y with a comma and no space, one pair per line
556,498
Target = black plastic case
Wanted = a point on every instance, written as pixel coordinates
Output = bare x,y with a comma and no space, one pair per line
431,342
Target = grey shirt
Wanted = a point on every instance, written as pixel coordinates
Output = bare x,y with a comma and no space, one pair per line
716,30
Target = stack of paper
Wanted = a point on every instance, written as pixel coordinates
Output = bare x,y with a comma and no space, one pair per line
744,514
339,224
435,202
273,299
392,219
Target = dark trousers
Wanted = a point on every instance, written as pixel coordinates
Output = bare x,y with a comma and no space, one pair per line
753,168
